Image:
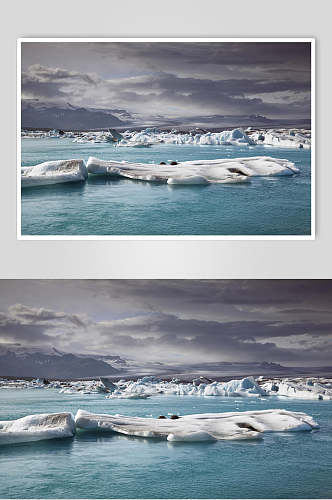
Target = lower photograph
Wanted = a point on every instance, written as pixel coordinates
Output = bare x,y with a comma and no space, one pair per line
163,389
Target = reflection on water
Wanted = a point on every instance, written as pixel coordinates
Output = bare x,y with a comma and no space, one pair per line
38,447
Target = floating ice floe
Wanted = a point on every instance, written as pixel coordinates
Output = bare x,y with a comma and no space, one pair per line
99,137
37,428
200,427
195,172
133,144
53,172
127,395
281,139
298,388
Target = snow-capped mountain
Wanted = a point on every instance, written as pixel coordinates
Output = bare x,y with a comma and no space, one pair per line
37,114
20,361
17,360
68,117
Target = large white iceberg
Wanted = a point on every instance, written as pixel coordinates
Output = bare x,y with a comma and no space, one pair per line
37,428
195,172
53,172
200,427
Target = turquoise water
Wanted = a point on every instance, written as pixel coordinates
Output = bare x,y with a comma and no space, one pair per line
266,206
92,465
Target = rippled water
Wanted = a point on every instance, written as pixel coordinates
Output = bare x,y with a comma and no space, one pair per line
266,206
96,465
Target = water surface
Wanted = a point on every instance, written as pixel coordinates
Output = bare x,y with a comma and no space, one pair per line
96,465
101,206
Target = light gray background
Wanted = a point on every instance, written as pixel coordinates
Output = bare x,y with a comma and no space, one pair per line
166,259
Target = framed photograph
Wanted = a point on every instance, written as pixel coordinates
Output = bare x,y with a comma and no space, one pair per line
166,138
165,389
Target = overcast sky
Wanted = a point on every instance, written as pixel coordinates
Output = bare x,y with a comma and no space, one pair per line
172,79
286,321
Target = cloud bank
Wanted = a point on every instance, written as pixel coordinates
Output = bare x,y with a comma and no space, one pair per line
174,321
172,79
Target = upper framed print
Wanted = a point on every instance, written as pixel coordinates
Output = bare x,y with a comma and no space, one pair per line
166,138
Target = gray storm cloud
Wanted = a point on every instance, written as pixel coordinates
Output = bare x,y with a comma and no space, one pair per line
172,79
287,321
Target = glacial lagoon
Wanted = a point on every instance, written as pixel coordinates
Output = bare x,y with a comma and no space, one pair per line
108,465
108,206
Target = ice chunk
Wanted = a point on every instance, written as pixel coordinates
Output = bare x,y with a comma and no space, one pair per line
53,172
200,427
244,387
281,139
127,395
37,428
108,384
102,167
195,172
133,144
299,389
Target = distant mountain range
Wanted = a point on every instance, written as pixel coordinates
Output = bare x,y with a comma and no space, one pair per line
68,117
17,360
20,361
36,114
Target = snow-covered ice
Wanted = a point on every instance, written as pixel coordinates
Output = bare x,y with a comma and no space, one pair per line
235,137
298,388
151,386
282,139
37,428
200,427
313,388
197,171
54,172
127,395
285,138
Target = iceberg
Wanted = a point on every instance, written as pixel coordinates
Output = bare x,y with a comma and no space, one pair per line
200,427
235,137
281,139
197,171
244,387
53,172
133,144
103,167
298,389
37,428
127,395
